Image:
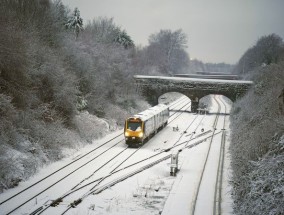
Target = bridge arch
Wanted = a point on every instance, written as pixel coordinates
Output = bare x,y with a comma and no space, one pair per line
152,87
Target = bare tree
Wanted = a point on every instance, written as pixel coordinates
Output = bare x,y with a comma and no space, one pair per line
167,50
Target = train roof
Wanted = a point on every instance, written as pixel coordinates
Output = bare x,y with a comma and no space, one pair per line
147,114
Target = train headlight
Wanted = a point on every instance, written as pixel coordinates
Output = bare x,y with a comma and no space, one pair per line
126,134
140,134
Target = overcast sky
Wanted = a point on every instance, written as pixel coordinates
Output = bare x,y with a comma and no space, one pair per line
218,30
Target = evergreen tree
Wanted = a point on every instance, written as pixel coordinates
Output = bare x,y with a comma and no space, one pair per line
75,22
124,39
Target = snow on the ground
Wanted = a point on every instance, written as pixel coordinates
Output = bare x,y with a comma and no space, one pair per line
152,191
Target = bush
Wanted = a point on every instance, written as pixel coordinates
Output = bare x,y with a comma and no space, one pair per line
256,121
90,127
265,191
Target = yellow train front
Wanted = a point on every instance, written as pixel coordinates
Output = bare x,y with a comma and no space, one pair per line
134,131
140,127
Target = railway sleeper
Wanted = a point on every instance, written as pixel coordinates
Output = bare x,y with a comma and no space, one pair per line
36,211
56,202
75,203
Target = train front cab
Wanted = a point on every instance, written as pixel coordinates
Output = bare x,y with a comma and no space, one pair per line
134,131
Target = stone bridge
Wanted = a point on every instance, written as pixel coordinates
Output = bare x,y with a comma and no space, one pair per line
152,87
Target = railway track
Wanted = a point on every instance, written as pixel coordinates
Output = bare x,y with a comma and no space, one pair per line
38,183
92,191
96,185
216,208
181,146
219,177
160,157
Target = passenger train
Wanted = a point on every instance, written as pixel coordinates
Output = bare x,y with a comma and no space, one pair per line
141,127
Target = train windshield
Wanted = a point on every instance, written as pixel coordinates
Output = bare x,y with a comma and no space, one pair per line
134,126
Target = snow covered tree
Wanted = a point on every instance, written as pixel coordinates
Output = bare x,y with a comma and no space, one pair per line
257,144
104,30
166,50
100,30
267,50
124,39
75,22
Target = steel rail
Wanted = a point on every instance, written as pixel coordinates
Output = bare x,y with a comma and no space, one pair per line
219,177
32,185
56,182
112,172
206,159
68,164
59,199
115,181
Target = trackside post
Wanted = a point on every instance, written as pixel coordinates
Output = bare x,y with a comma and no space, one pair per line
174,163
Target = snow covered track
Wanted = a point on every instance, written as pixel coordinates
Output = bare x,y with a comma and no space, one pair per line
152,159
143,164
19,200
138,170
219,179
114,164
203,202
19,196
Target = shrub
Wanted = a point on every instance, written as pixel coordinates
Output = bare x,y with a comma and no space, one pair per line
89,126
255,121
